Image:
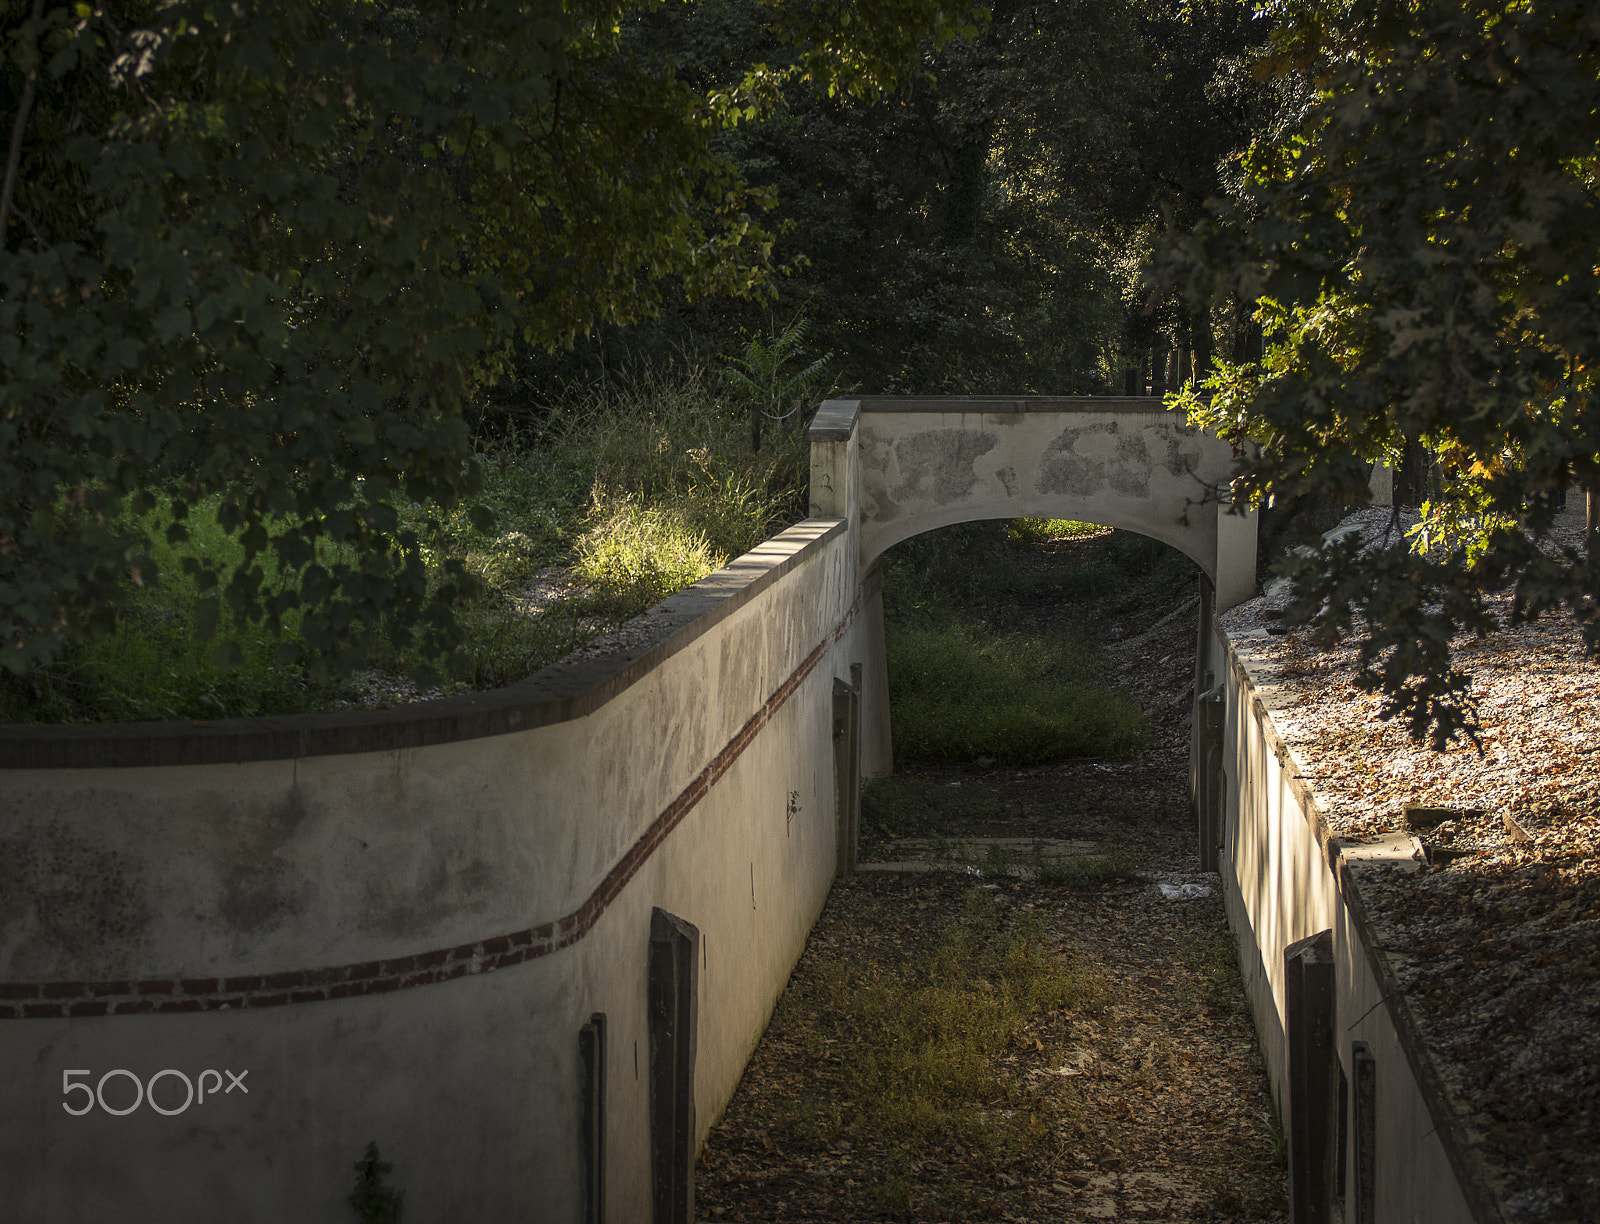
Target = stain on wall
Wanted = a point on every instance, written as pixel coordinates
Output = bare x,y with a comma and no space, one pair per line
941,463
450,883
66,901
1130,474
1183,451
1074,465
259,887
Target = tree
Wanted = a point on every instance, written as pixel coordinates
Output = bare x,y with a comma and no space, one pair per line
266,251
986,228
1422,235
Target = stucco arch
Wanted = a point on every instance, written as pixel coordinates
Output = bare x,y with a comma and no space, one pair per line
1182,540
910,464
892,467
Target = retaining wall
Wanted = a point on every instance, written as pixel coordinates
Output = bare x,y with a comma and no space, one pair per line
390,926
393,926
1372,1136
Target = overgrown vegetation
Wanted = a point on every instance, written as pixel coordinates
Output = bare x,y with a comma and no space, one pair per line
920,1045
274,252
960,692
966,687
298,338
641,487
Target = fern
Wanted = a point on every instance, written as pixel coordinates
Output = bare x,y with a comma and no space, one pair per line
763,376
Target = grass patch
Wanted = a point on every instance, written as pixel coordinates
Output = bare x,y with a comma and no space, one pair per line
154,665
921,1046
635,555
1212,959
959,692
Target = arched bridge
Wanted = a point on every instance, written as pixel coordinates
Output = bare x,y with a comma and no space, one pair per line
902,465
895,466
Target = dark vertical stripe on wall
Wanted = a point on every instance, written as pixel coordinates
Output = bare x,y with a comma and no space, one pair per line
592,1063
674,1019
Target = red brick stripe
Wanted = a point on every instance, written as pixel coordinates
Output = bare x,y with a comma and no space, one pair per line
57,1000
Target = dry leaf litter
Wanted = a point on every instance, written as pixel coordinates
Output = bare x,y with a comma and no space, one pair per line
1160,1102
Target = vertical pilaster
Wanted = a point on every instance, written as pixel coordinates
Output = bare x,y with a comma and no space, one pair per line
1236,554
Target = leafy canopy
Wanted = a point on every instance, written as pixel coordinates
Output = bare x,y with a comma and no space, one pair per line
268,250
1422,235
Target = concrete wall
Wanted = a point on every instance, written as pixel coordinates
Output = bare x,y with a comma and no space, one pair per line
392,924
396,930
1285,878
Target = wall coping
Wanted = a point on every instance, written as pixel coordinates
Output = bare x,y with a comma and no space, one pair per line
567,689
1000,404
835,421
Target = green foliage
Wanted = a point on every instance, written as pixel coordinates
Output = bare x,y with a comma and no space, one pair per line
637,555
986,224
1423,237
154,665
1045,531
664,434
764,377
374,1202
266,252
958,692
964,685
676,492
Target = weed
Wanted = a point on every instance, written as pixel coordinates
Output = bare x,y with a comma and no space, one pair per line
1213,963
920,1066
1048,531
764,376
1280,1136
374,1202
636,555
790,811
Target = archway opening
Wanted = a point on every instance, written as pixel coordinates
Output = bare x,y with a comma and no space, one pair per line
1041,679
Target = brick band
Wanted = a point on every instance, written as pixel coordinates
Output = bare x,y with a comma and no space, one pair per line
57,1000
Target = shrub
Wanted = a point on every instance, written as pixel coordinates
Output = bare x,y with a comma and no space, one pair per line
636,555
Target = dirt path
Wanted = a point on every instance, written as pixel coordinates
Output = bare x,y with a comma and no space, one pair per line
1129,1088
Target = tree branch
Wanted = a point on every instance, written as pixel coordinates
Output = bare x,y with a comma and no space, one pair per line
14,156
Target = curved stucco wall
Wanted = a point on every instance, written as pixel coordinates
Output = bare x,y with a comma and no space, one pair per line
399,944
393,923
